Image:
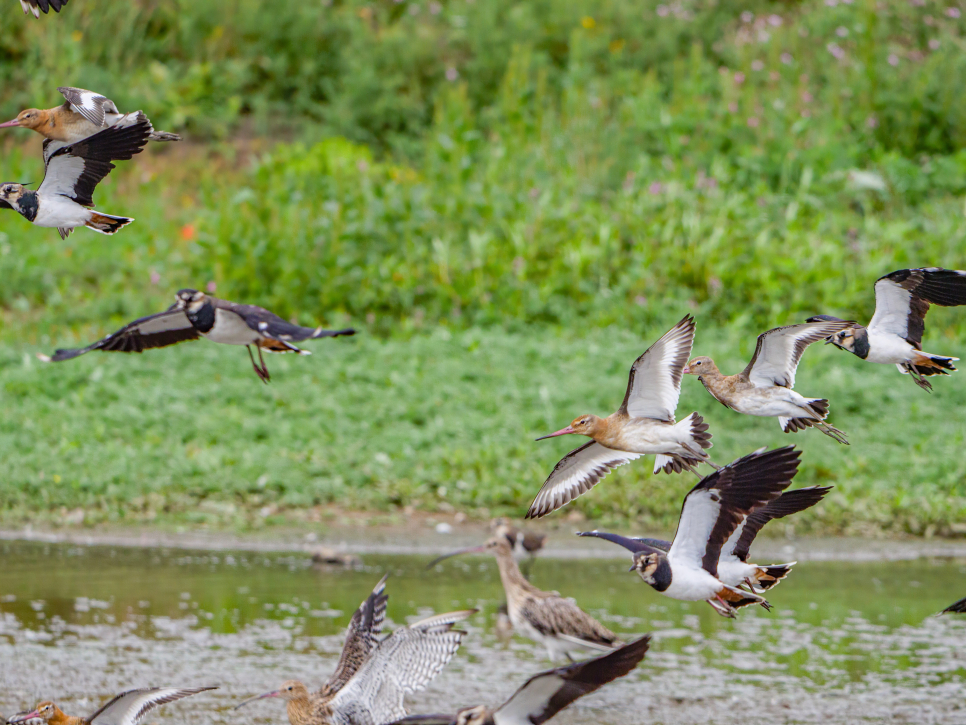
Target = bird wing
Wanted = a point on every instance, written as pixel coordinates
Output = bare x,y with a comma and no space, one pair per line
631,543
92,106
406,661
76,169
957,607
35,6
426,720
271,325
902,299
546,694
558,617
790,502
360,639
713,509
129,707
158,330
575,474
654,384
779,350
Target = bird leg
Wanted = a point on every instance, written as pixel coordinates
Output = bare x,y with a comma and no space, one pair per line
261,372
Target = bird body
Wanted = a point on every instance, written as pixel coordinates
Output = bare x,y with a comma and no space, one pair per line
83,114
765,387
65,197
547,618
894,334
195,314
128,708
547,693
644,424
373,676
687,568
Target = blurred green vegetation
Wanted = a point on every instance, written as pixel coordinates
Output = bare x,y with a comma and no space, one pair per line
522,172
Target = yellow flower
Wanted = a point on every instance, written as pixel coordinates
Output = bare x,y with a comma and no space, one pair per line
588,22
76,36
616,45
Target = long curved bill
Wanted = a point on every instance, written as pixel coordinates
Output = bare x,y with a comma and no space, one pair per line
273,693
470,550
10,124
562,432
24,716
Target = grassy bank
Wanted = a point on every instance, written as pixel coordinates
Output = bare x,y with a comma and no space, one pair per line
440,422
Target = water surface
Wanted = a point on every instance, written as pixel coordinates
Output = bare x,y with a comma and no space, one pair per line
845,643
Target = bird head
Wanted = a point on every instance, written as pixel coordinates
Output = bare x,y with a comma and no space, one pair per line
471,715
699,366
653,567
46,711
585,425
30,118
190,300
494,545
844,339
11,193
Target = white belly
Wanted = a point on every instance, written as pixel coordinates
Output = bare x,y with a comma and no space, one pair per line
776,402
647,436
889,349
691,585
230,329
59,211
733,571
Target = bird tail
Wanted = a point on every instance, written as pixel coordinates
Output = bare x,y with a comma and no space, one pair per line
738,598
107,223
818,408
694,437
768,576
163,136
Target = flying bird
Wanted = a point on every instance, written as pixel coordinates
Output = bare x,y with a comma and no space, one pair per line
195,314
764,387
957,607
546,694
894,335
64,199
373,675
713,509
81,115
128,708
644,424
547,618
41,6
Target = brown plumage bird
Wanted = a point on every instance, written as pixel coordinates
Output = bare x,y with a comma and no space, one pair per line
545,617
128,708
374,675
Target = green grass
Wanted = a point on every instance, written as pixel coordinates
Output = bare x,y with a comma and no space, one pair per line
438,422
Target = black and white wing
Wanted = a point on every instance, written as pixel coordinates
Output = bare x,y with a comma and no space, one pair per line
902,299
76,169
575,474
790,502
779,350
41,6
713,509
654,384
403,663
92,106
129,707
360,639
427,720
159,330
546,694
271,325
633,544
958,608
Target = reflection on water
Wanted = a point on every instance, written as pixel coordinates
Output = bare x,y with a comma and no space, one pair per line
845,643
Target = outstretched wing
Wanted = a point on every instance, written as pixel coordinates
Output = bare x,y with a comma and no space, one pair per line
546,694
405,662
36,6
575,474
129,707
633,544
790,502
159,330
92,106
713,509
902,299
959,607
271,325
779,350
360,639
75,170
654,385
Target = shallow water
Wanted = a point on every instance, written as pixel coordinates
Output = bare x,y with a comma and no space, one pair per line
845,643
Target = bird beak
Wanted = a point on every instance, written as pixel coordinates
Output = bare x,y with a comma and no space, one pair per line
686,370
471,550
273,693
24,716
10,124
562,432
633,568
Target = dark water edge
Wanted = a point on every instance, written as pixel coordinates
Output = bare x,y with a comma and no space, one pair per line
846,642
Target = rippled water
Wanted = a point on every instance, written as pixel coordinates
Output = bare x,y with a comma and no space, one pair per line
845,643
